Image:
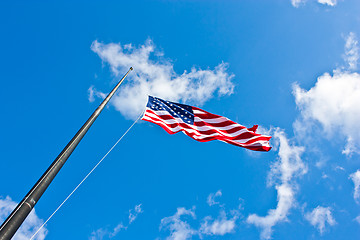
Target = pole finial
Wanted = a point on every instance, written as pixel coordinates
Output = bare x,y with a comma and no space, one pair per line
131,68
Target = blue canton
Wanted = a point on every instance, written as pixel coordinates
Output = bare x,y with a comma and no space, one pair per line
176,110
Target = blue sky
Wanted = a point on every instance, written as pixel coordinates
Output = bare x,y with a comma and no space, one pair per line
290,66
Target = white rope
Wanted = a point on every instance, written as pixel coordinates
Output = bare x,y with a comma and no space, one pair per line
85,177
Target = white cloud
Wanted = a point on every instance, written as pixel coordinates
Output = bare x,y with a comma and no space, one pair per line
157,77
117,229
333,102
219,226
297,3
30,225
179,229
285,200
357,219
133,213
319,217
99,234
92,93
91,97
339,168
102,233
355,177
328,2
288,166
351,51
211,198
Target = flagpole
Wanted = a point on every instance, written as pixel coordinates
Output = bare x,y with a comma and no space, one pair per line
22,210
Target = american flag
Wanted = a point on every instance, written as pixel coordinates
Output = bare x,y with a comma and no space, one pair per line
201,125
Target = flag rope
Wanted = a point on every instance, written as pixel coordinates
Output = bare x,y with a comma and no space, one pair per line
32,237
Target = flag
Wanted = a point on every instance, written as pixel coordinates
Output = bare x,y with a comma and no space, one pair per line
202,126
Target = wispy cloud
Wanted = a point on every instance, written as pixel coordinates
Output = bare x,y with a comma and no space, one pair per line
339,168
357,219
328,2
220,226
355,177
298,3
319,216
105,233
179,228
133,213
117,229
211,198
155,75
282,174
351,55
30,225
92,93
333,103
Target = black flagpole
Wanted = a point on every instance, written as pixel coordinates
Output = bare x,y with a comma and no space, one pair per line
17,217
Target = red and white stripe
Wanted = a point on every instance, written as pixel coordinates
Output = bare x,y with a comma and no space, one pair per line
208,126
